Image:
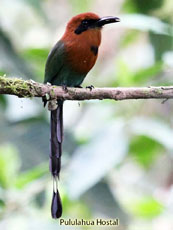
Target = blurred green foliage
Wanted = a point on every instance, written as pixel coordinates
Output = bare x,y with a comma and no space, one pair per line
3,101
29,176
9,165
144,7
80,6
129,38
37,58
127,77
149,150
146,207
161,44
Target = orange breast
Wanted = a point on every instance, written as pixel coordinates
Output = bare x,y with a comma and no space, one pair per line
81,50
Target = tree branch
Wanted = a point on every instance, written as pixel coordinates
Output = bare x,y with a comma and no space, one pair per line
21,88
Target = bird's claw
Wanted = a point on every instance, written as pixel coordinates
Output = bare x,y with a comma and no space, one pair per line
90,87
45,99
78,86
64,87
52,105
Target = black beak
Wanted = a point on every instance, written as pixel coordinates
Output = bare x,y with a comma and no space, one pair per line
107,20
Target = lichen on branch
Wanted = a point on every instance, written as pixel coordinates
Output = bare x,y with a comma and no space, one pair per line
30,88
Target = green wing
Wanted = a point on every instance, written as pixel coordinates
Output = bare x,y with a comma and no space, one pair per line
54,63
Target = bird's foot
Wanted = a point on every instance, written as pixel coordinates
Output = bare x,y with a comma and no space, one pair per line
52,105
64,87
78,86
90,87
45,99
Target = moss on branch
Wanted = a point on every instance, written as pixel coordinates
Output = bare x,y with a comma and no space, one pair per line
30,88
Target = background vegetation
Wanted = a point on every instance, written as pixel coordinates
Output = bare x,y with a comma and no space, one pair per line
117,160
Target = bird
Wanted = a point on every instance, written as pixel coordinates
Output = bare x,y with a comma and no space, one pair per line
67,65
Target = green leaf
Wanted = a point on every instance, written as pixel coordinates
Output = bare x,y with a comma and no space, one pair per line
129,6
80,6
145,74
144,150
161,43
36,54
9,165
37,58
3,101
146,207
126,77
155,129
75,208
130,37
2,72
26,177
124,74
143,7
2,204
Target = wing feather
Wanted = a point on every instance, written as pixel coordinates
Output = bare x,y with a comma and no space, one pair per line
54,62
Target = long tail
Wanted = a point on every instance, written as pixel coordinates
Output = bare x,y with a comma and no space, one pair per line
55,156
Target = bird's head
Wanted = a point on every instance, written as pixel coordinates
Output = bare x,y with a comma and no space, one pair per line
82,39
88,21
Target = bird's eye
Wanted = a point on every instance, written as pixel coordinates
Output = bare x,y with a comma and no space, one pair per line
85,22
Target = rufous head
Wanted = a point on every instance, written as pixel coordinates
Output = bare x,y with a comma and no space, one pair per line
88,21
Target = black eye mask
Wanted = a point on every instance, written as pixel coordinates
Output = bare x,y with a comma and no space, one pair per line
85,25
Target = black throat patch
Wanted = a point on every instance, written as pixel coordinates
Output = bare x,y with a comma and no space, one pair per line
94,49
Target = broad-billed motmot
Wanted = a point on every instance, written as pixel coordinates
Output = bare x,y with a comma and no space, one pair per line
67,65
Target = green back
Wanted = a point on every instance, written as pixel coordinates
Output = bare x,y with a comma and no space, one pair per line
58,70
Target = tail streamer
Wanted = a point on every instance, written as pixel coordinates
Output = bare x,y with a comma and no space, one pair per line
56,139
